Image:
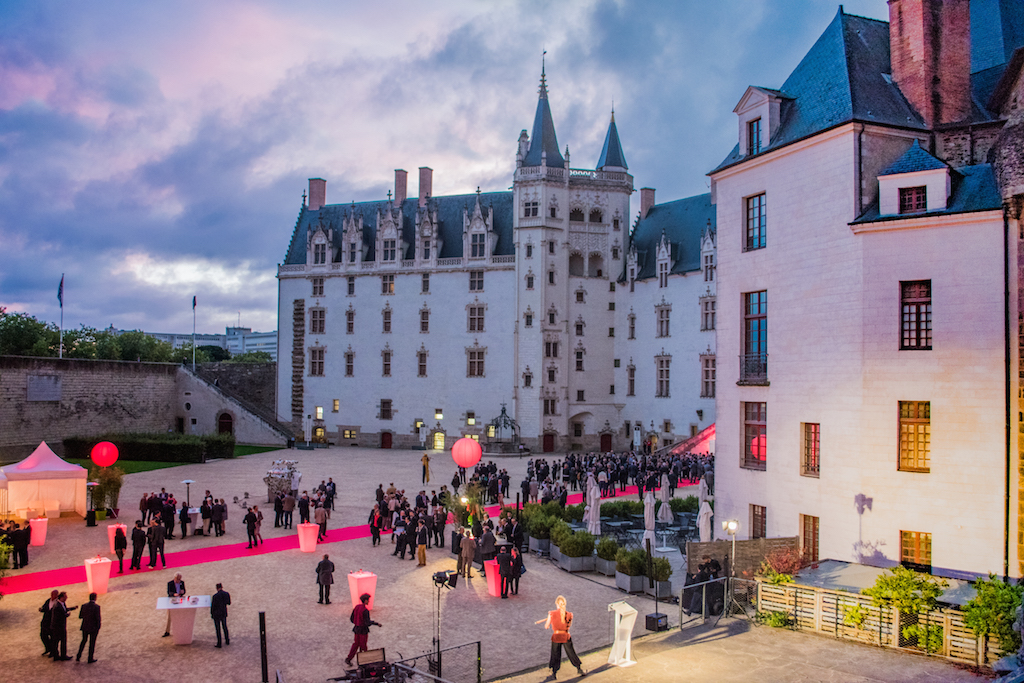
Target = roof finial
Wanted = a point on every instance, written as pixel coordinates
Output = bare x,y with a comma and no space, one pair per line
389,195
477,190
303,197
543,78
613,110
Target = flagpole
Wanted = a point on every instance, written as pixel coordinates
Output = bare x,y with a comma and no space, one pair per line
60,297
193,334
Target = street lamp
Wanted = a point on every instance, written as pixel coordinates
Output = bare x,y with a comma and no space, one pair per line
188,483
730,528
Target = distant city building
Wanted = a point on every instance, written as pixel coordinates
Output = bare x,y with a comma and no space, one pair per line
237,340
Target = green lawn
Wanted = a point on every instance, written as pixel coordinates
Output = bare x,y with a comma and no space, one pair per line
252,450
133,466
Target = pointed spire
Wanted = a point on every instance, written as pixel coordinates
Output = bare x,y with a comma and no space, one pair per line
611,153
543,142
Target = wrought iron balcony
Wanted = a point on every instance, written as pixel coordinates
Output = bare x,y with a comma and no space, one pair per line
754,368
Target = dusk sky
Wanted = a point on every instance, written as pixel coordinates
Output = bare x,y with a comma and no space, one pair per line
156,151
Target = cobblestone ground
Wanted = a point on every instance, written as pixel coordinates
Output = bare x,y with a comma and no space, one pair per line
307,641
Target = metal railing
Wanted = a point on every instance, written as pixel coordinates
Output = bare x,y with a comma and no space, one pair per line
717,598
754,368
459,664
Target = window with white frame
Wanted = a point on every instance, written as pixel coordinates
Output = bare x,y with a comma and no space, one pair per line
707,373
385,357
319,254
350,321
663,274
316,362
664,364
387,284
389,250
318,286
425,284
475,362
421,364
426,250
350,364
630,380
663,312
351,285
476,280
476,318
707,313
425,320
632,325
709,267
477,245
386,319
317,321
579,360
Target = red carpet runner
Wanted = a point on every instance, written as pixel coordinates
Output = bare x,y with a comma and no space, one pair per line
57,578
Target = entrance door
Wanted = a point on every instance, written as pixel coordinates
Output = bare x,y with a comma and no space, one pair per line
438,441
606,442
549,443
385,440
224,424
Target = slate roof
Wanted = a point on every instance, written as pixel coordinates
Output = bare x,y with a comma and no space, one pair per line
543,139
914,159
844,77
974,188
997,29
611,153
449,216
683,222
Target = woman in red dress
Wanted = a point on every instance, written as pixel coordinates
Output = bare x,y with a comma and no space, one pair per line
559,621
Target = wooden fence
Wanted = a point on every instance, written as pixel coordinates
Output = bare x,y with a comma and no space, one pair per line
833,613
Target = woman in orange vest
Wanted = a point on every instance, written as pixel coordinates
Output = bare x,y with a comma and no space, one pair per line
559,621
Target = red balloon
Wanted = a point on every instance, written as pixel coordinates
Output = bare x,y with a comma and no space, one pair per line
104,454
466,452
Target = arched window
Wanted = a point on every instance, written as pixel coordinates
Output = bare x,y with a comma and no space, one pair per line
595,216
576,215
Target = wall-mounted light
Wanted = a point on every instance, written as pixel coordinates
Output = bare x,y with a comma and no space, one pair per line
438,415
700,414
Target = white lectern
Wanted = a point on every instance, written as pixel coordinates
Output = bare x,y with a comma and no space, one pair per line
625,616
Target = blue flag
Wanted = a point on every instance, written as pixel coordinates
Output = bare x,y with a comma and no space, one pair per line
60,291
193,303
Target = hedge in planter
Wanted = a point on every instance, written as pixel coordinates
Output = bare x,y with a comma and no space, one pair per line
629,570
688,504
606,551
577,552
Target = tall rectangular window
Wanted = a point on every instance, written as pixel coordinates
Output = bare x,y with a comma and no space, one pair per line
755,422
915,435
350,364
809,532
336,406
758,521
916,550
385,409
386,320
352,252
663,320
316,362
425,283
351,285
664,364
916,315
632,326
913,199
317,321
529,282
385,358
663,274
580,394
810,463
707,372
319,412
754,136
551,277
318,286
754,362
475,359
707,313
630,381
709,267
757,222
387,284
350,322
421,363
319,254
579,329
426,250
529,251
424,321
551,375
478,245
389,250
579,361
551,349
476,280
551,406
476,318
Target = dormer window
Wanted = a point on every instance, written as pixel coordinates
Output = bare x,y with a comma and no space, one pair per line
352,252
478,245
319,254
389,250
426,250
754,136
914,199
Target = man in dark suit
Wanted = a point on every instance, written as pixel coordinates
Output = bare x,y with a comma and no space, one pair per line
59,627
517,534
175,589
138,545
217,516
278,509
304,508
488,549
155,536
168,518
219,613
44,625
90,616
504,570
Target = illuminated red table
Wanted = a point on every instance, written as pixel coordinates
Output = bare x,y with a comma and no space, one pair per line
112,530
38,530
307,537
97,573
493,580
362,582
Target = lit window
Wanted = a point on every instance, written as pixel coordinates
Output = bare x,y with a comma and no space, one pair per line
348,433
755,453
915,435
811,462
387,284
916,550
319,412
470,418
337,406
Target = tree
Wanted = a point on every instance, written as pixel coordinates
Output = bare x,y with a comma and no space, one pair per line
215,353
22,335
183,355
992,610
252,357
139,346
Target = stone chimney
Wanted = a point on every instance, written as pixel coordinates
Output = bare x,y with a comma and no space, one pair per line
401,185
426,184
930,54
646,200
317,193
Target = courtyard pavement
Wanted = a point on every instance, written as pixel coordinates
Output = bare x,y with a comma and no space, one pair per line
307,641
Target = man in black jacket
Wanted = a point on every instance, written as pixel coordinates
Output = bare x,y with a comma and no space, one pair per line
59,627
44,625
278,509
250,527
504,570
219,613
138,545
304,508
175,589
155,536
90,616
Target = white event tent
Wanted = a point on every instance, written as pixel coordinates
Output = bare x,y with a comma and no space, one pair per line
44,476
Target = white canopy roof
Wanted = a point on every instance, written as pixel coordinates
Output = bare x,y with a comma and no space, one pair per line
43,464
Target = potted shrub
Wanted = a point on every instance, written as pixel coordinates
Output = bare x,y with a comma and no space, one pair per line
559,534
662,571
540,530
577,552
629,570
111,479
606,550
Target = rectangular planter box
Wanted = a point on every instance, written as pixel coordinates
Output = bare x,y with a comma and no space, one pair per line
539,545
606,567
662,588
577,564
630,584
555,553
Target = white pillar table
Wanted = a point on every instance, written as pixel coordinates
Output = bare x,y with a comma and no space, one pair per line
183,615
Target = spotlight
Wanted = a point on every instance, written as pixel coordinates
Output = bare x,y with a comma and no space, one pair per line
448,579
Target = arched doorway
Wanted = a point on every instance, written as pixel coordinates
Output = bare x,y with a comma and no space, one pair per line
385,440
225,424
606,442
439,441
549,443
